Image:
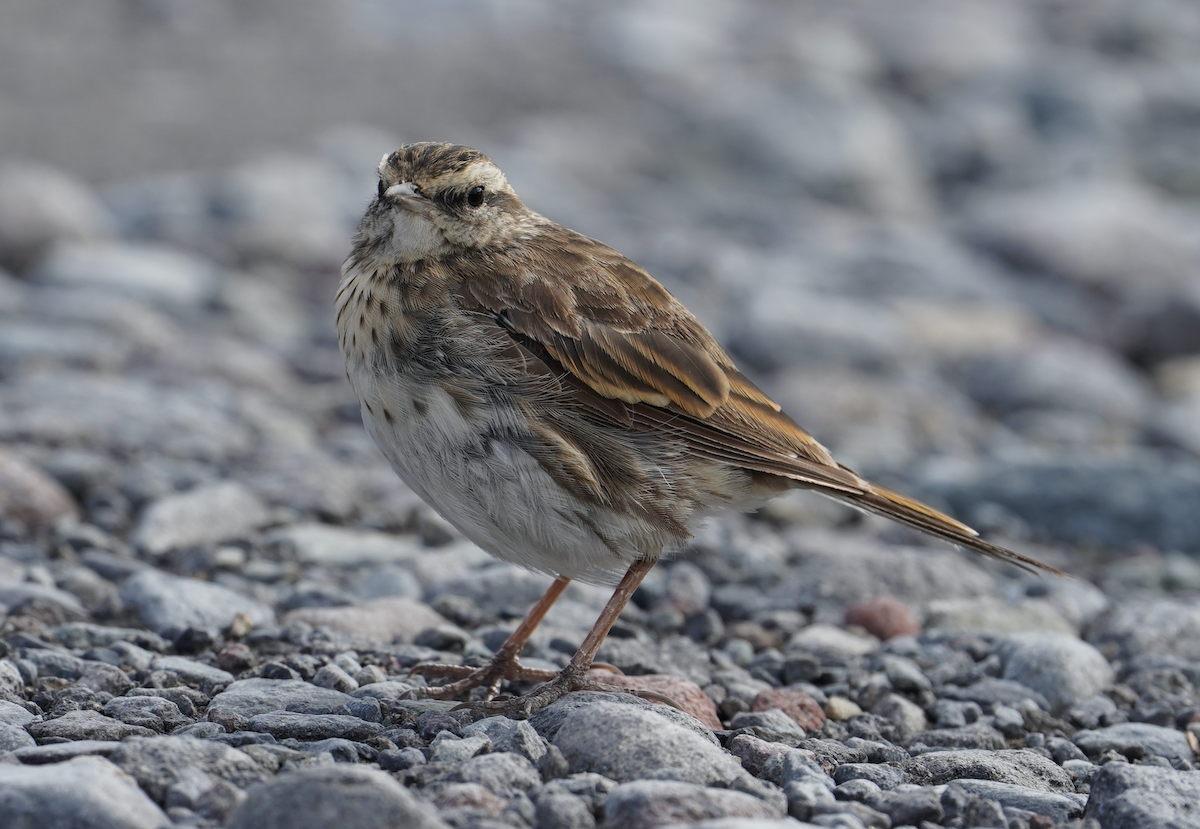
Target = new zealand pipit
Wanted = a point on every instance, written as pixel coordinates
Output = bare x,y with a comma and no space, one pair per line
554,403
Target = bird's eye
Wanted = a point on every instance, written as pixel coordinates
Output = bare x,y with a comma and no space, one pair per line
381,189
475,196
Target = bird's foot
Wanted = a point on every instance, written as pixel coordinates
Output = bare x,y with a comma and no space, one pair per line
490,676
570,678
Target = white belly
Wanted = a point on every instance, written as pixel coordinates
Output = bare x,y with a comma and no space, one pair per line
492,491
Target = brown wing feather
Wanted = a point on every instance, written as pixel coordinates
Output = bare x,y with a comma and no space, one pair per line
638,359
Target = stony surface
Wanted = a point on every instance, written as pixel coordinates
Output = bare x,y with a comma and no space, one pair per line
958,242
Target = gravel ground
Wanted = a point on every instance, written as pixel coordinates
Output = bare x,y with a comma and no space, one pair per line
960,243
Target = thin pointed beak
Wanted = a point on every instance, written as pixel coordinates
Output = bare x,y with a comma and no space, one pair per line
407,195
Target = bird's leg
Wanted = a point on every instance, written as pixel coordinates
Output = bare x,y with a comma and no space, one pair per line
504,665
573,677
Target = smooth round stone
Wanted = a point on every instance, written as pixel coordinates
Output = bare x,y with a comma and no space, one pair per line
1063,668
83,793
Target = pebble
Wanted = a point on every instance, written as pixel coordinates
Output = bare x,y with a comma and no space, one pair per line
393,619
688,695
247,697
86,725
1143,738
85,791
1062,668
169,605
208,514
30,496
1018,767
155,713
156,763
652,746
353,797
1142,797
650,803
154,273
801,707
884,618
1059,807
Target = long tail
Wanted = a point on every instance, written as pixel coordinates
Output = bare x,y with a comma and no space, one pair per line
913,513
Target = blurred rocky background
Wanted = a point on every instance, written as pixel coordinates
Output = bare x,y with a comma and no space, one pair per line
960,242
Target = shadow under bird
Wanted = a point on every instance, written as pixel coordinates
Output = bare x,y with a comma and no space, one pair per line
555,403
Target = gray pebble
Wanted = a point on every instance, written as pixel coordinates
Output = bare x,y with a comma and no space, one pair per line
653,745
351,797
155,713
516,736
286,724
247,697
157,762
400,759
1143,797
1143,738
1019,767
84,792
1059,806
501,773
13,737
86,725
883,776
560,810
332,676
649,803
1063,669
192,672
170,604
772,725
976,736
989,691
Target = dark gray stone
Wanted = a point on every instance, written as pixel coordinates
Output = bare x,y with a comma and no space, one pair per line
350,797
547,721
85,793
86,725
155,713
560,810
157,762
1022,768
989,691
285,724
649,803
975,736
1144,797
1060,807
191,672
516,736
1143,738
501,774
882,775
61,752
910,805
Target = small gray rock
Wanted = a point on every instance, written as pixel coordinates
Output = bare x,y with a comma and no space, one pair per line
772,725
560,810
247,697
882,775
650,803
284,725
1019,767
171,604
1060,807
350,797
974,736
1126,737
331,676
13,737
13,714
989,691
83,793
86,725
1125,796
155,273
61,752
155,713
1062,668
650,746
516,736
502,774
156,763
208,514
191,672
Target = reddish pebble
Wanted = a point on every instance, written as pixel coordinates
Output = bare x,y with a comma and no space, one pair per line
687,695
798,705
884,617
235,658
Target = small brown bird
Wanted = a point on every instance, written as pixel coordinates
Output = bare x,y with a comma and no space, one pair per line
554,402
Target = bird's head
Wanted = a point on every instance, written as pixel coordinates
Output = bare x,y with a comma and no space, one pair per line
434,199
